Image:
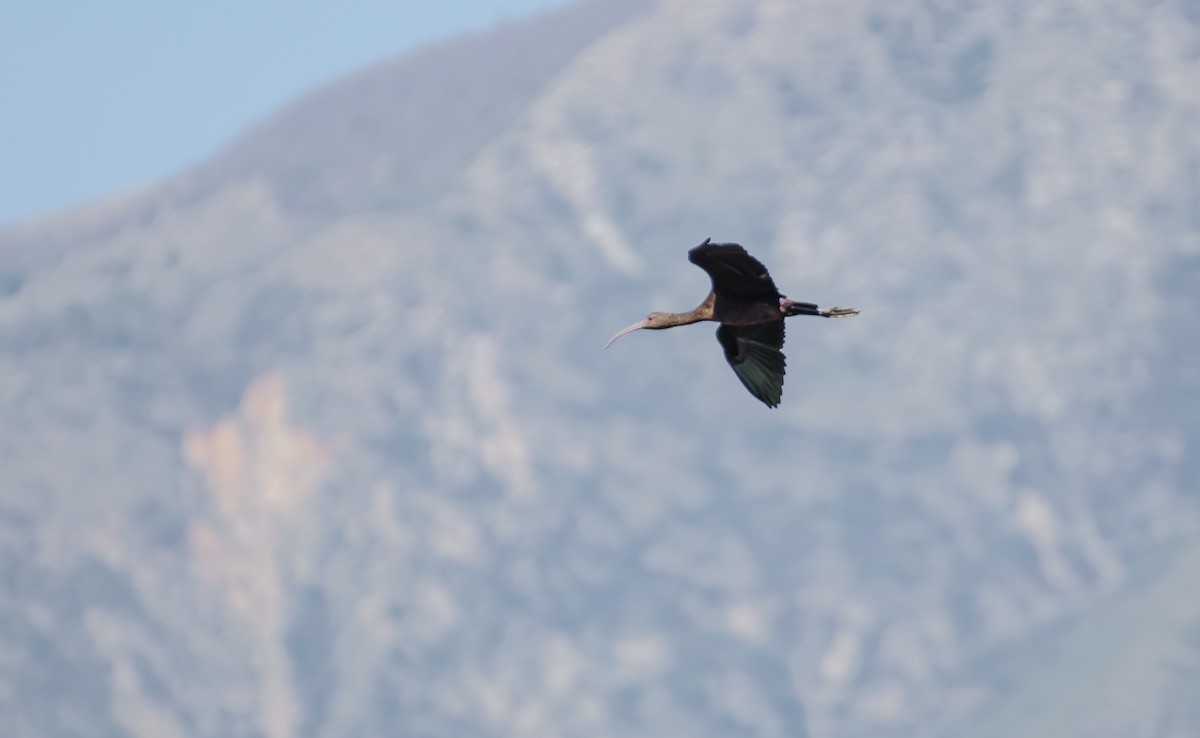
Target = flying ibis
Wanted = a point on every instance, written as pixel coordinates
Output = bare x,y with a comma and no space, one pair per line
751,311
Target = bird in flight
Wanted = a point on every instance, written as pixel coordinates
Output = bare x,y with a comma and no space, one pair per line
751,311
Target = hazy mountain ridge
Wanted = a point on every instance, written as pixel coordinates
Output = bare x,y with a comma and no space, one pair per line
388,137
509,532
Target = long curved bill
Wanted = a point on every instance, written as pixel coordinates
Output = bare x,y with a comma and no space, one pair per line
630,329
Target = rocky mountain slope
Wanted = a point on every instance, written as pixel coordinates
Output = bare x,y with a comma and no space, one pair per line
319,439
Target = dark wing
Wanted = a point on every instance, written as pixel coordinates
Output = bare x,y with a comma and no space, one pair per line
735,274
754,353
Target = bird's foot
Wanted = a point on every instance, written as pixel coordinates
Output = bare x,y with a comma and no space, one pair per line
837,312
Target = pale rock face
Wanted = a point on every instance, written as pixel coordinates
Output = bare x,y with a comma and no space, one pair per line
320,440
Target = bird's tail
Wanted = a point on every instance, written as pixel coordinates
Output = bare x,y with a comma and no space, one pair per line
791,307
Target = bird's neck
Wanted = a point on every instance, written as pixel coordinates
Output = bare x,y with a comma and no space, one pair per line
703,311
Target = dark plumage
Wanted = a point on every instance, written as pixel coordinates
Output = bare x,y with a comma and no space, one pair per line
751,311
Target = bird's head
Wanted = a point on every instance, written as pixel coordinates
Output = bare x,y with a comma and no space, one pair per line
657,321
653,321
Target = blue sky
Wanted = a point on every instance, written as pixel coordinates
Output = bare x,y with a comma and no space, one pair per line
100,97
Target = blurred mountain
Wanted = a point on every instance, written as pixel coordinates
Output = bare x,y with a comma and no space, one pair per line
319,439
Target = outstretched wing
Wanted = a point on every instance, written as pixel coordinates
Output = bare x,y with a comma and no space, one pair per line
754,352
735,274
